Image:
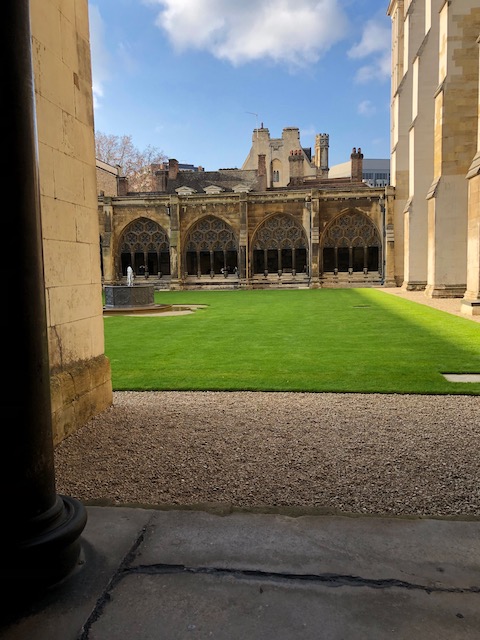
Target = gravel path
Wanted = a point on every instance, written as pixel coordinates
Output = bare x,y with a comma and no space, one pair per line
357,453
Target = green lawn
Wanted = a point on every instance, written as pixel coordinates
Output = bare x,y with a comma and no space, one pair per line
342,340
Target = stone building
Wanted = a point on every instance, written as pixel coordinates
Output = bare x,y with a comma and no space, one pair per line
233,229
80,372
107,178
435,161
277,153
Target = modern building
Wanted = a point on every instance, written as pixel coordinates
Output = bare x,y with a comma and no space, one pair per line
375,173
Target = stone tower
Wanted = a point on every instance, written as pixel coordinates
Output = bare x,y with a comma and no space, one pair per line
321,154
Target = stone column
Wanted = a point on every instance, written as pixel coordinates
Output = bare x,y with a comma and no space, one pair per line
422,66
455,144
40,530
389,239
471,299
243,265
176,262
108,256
401,119
312,207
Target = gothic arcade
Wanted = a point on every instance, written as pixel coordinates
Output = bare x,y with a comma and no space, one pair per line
295,238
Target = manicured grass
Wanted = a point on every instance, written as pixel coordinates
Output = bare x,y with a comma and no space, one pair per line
323,340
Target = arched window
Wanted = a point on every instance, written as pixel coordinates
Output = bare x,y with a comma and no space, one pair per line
211,247
351,241
276,171
145,246
279,244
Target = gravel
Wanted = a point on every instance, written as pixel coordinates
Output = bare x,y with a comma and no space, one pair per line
405,455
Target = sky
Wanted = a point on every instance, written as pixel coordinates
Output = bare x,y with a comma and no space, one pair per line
194,78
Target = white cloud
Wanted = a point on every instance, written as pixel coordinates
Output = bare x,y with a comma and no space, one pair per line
100,56
366,108
375,45
247,30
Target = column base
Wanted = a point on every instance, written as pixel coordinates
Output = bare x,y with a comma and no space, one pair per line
445,291
47,551
470,307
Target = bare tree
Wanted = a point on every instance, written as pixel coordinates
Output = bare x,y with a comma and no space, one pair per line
136,165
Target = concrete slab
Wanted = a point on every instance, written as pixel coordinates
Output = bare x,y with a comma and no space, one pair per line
148,574
237,607
430,553
462,377
62,612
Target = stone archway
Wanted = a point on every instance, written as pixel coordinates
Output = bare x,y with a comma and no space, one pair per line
352,243
144,245
211,247
279,245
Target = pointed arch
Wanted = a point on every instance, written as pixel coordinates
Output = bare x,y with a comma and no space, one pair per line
211,247
351,241
144,245
279,244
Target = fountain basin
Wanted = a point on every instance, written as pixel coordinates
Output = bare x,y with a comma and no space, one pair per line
138,295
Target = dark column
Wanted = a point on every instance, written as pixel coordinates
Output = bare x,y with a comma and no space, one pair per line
40,530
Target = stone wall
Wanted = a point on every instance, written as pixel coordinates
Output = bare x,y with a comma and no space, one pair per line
80,372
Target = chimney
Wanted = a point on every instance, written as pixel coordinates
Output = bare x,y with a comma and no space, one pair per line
172,169
262,172
357,165
161,180
295,160
122,185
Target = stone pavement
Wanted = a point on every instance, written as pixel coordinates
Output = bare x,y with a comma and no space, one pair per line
172,575
449,305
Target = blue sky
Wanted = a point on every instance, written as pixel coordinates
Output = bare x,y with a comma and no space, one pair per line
193,78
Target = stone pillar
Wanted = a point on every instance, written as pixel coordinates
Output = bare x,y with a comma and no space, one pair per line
401,119
176,261
471,299
455,144
422,62
389,239
108,258
40,530
243,252
312,213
